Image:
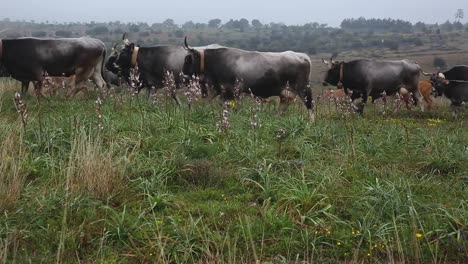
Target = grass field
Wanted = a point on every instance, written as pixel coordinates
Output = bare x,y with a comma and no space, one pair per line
135,182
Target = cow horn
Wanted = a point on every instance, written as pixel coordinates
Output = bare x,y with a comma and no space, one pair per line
186,46
324,61
425,73
114,48
332,57
125,39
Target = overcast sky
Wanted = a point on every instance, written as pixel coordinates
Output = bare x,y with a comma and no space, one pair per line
331,12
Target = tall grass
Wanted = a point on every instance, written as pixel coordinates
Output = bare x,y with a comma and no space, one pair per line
172,188
93,168
12,175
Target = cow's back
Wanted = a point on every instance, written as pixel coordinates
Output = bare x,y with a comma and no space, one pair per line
57,57
459,72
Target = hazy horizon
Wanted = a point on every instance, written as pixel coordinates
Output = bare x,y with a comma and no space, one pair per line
290,12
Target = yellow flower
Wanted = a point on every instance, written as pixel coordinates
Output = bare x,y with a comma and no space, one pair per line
419,235
232,103
338,243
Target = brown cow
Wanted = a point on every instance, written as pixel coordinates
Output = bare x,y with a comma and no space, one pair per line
331,94
425,89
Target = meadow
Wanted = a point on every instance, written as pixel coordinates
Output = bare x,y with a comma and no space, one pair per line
131,179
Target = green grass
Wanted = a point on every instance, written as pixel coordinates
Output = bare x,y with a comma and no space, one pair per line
161,184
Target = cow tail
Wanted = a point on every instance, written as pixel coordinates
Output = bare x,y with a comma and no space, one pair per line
102,68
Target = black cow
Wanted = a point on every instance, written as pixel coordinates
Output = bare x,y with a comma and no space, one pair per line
264,74
453,84
371,78
31,59
153,63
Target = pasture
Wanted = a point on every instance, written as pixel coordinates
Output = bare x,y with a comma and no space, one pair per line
134,180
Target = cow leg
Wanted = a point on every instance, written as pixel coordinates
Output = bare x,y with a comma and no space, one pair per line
38,90
359,107
98,80
286,97
81,77
24,87
175,97
429,101
308,100
455,106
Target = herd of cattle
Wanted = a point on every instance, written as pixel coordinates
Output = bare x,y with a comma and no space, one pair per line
218,68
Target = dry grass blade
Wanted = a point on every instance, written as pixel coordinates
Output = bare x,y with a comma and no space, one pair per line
93,169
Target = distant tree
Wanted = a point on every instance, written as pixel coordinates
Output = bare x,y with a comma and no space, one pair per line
214,23
458,25
65,33
243,24
188,25
39,34
256,23
98,30
169,22
179,33
134,28
118,31
439,63
447,26
418,42
459,15
144,34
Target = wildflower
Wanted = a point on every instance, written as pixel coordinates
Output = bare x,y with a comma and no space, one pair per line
21,108
193,91
419,235
99,113
281,134
223,125
338,243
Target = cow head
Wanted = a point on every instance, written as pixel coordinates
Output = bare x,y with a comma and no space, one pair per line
333,74
192,61
111,61
440,82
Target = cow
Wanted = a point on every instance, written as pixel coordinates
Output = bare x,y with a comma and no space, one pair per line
32,59
425,89
453,84
264,74
111,78
153,63
366,77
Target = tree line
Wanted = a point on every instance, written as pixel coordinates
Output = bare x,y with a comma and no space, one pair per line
353,34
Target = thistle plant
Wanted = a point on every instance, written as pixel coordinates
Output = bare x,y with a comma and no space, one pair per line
21,108
384,102
193,91
135,82
169,84
223,124
254,111
238,89
398,101
281,137
99,113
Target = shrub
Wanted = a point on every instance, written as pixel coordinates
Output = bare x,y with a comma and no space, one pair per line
439,62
